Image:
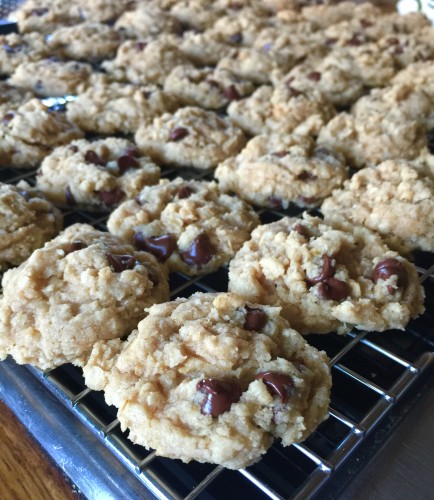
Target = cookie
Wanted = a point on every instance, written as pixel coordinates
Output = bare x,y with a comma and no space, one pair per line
85,41
420,75
273,171
147,20
283,109
327,278
213,378
52,77
98,174
83,286
111,108
103,11
12,97
146,62
16,49
27,221
373,139
204,49
393,198
191,137
30,132
190,225
206,87
406,49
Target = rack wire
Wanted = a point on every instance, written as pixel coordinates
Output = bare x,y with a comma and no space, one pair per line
371,373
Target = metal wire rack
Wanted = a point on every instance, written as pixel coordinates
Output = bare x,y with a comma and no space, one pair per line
371,373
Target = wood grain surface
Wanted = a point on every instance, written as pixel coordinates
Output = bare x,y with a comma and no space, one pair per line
26,473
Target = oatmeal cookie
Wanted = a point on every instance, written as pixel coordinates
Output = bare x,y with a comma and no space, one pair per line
30,132
393,198
103,11
83,286
52,77
191,137
214,379
145,62
111,108
274,170
12,97
27,221
85,41
190,225
419,75
406,49
283,109
98,174
327,278
208,88
204,49
16,49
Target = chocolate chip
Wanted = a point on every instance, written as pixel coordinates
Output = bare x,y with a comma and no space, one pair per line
333,289
327,271
294,92
231,93
356,40
220,394
7,117
141,46
365,23
160,247
92,157
314,76
111,197
69,197
134,152
236,38
76,245
126,162
178,133
275,202
300,229
184,192
309,200
392,41
277,383
73,149
120,263
280,154
200,252
306,176
387,268
255,320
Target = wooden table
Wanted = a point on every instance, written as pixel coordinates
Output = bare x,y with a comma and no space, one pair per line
26,472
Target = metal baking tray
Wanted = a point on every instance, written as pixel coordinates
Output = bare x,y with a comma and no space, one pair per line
371,374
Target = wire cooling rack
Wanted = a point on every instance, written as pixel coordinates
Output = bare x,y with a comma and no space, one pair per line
371,373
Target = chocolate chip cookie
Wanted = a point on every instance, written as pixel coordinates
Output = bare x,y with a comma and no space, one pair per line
98,174
190,225
327,277
191,137
213,378
27,221
393,198
275,170
83,286
16,49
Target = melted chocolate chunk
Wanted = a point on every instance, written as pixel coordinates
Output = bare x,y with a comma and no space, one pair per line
126,162
184,192
76,245
276,383
255,320
73,149
231,93
135,153
200,252
300,229
356,40
112,197
160,247
327,271
333,289
309,200
92,157
220,394
178,133
387,268
69,197
120,263
236,38
314,76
